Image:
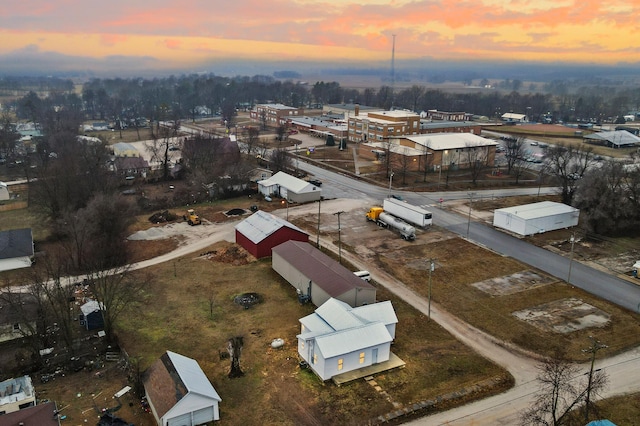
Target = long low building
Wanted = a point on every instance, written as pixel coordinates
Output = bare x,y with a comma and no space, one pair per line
317,277
529,219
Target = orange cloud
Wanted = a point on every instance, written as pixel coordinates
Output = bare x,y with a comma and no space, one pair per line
588,30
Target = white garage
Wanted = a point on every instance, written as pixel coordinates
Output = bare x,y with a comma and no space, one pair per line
536,218
179,393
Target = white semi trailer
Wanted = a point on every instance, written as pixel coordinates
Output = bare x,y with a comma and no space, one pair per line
413,214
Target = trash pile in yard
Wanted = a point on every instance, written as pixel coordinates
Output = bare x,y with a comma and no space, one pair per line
162,217
231,254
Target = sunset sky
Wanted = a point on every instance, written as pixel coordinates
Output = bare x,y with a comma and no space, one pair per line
193,32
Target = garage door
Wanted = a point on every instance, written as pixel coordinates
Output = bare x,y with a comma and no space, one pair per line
203,415
183,420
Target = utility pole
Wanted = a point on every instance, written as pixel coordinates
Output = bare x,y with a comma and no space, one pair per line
595,347
432,267
471,194
318,235
572,239
339,237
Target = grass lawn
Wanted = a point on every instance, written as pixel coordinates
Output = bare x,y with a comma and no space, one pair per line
188,308
460,264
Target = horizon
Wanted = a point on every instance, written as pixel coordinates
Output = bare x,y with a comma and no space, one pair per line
157,36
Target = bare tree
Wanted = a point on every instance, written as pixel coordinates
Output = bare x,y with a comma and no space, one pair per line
428,158
56,291
514,152
94,236
281,132
263,119
562,390
161,144
403,164
567,164
114,289
8,137
608,199
520,168
71,171
477,157
25,310
386,160
207,159
252,139
280,160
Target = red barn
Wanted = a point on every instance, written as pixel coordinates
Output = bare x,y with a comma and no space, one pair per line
262,231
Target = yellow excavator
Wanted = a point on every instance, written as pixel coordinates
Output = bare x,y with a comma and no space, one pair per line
192,218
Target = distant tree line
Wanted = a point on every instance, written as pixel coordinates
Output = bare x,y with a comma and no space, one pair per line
181,97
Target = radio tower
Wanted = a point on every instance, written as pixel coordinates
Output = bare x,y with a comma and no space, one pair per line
393,70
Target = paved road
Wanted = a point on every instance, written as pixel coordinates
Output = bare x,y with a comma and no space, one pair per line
505,408
608,287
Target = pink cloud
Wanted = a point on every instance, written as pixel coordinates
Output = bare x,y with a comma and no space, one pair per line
172,44
421,25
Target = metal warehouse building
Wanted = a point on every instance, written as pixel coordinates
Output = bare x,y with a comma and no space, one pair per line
317,277
536,218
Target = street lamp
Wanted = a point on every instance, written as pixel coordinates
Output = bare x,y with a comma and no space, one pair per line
471,194
287,201
572,240
432,267
339,237
390,181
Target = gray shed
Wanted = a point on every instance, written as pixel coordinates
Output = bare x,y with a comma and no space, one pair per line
536,218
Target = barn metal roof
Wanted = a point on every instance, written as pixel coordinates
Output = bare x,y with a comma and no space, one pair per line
338,315
615,137
351,340
381,311
536,210
325,272
339,329
192,375
171,378
442,141
261,224
90,307
292,183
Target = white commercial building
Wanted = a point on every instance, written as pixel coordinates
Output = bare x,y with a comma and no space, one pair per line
536,218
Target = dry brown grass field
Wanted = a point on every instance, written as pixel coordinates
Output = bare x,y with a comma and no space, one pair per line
189,308
461,264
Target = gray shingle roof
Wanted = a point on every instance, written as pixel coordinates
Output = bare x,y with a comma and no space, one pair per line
16,243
